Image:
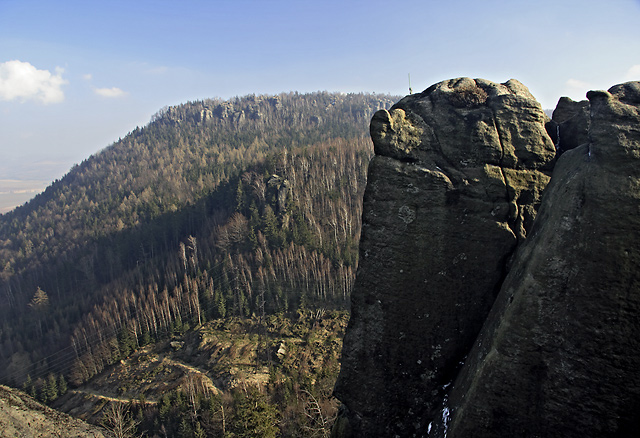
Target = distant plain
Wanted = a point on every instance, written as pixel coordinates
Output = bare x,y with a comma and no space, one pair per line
14,192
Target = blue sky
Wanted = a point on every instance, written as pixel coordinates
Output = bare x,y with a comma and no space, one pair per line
77,75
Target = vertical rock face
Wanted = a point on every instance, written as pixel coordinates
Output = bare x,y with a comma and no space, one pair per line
558,355
454,186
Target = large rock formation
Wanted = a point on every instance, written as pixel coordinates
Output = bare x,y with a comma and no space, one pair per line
557,355
454,185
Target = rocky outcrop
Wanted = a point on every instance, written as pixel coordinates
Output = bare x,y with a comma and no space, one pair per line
428,352
454,186
23,417
558,356
569,127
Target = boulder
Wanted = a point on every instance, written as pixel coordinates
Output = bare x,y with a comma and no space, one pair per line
454,186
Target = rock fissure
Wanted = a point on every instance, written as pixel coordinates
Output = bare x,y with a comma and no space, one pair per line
442,162
507,187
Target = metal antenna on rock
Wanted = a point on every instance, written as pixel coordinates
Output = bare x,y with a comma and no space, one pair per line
410,90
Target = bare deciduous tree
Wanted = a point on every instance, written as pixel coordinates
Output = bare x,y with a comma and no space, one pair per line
118,421
319,423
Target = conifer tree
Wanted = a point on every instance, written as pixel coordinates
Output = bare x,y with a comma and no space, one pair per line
51,388
62,385
29,387
126,343
254,416
198,431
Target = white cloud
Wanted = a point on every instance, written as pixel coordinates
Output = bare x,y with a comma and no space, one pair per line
109,92
87,77
576,89
633,74
21,80
578,84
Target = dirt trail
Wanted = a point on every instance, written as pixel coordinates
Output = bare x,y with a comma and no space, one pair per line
93,393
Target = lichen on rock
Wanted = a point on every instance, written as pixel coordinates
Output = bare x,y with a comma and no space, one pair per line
395,133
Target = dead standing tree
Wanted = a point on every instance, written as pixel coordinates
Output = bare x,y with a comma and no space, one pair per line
118,421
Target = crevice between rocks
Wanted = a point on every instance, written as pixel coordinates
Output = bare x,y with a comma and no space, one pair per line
506,180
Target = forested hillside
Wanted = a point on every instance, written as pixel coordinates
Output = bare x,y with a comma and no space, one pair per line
215,208
232,377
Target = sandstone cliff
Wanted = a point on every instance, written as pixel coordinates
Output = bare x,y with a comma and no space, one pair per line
454,186
452,194
558,355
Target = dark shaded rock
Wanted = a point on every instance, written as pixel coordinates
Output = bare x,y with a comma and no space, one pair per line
282,188
454,186
572,121
558,355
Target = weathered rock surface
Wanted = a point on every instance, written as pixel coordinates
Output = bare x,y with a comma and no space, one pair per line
22,417
558,356
569,127
454,186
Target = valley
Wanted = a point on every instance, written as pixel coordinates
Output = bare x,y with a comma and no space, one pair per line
198,277
199,255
